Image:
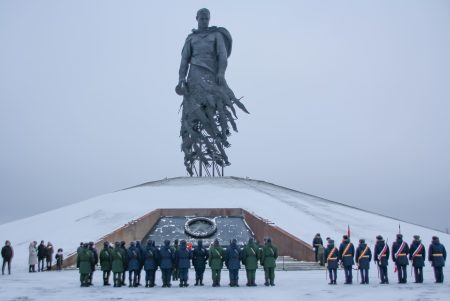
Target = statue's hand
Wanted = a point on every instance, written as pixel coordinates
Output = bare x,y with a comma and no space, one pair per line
220,79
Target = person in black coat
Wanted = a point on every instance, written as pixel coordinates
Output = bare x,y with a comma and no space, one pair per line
331,259
199,259
417,256
346,255
42,255
7,255
437,256
183,258
400,251
151,257
166,255
233,257
381,258
141,261
317,241
363,257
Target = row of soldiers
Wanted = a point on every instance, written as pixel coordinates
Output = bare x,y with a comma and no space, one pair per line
401,255
175,261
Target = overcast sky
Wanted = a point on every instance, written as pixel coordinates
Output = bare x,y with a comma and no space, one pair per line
349,100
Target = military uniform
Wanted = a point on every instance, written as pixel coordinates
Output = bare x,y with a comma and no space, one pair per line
269,255
175,271
437,255
124,252
183,258
332,258
94,264
417,256
134,258
166,263
151,257
363,257
199,257
85,260
400,251
346,254
106,262
233,257
382,259
250,257
117,266
215,262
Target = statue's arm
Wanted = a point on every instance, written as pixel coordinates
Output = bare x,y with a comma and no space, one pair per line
185,58
222,58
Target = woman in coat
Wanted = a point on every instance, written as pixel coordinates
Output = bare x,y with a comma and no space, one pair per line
32,258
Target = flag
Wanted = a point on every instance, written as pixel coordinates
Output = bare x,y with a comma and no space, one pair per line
348,231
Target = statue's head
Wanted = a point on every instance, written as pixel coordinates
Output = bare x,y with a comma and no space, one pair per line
203,16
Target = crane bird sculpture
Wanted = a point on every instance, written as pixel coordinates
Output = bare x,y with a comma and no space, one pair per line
208,107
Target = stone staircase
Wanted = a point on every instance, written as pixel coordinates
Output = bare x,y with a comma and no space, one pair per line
287,263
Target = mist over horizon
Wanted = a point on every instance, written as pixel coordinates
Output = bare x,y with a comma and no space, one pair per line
348,101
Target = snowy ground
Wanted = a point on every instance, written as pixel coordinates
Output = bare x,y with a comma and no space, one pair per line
310,285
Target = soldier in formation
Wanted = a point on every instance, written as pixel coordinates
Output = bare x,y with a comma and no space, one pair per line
233,257
269,256
200,256
250,257
166,255
400,252
363,257
346,256
437,256
106,262
151,258
417,257
85,261
381,257
215,262
332,259
183,257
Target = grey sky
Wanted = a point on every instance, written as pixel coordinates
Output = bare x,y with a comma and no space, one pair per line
349,100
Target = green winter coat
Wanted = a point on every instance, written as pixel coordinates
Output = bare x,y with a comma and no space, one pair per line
269,255
117,260
251,256
85,261
106,259
216,257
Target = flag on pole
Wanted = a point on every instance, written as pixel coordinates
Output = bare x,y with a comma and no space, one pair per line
348,231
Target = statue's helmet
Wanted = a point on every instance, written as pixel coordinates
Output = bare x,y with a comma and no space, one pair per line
203,11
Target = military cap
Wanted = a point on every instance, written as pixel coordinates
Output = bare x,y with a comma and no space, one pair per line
379,237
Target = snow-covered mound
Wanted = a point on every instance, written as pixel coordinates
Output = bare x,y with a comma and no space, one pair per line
300,214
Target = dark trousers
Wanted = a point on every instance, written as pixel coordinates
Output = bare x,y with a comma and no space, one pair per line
199,271
49,263
384,274
234,277
84,279
183,274
333,275
132,277
91,274
215,276
32,268
122,276
364,276
41,264
418,274
166,276
117,277
150,277
316,250
106,275
269,274
175,274
438,274
348,274
401,271
6,261
251,275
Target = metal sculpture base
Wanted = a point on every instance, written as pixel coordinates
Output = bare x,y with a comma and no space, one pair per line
202,170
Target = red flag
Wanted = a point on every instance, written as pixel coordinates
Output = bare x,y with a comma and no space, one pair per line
348,231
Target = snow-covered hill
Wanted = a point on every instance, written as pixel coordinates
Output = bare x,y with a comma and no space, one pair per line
300,214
